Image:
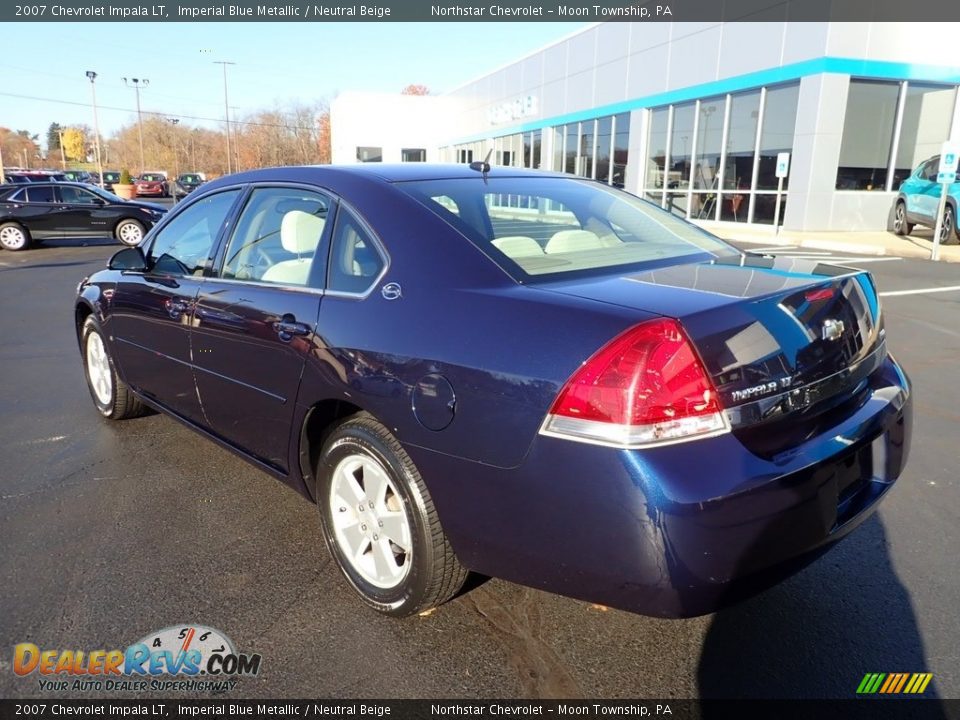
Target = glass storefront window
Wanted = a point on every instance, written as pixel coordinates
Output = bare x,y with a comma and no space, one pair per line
776,133
535,160
558,134
867,135
587,133
604,141
678,175
621,146
706,171
927,112
570,148
741,140
656,172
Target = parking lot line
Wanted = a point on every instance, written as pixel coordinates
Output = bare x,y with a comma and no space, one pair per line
921,291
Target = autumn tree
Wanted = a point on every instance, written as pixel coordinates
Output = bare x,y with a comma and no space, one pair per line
415,90
75,144
18,147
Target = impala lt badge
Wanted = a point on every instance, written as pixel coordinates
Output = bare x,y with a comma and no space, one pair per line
832,329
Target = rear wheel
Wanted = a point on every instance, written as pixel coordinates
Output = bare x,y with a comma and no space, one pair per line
379,522
129,232
110,394
900,224
948,230
14,237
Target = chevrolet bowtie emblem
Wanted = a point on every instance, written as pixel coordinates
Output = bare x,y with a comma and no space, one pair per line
832,329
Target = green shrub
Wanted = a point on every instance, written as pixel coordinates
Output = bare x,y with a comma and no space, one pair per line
125,177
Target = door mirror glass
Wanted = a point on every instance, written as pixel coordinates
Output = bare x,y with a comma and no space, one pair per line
130,258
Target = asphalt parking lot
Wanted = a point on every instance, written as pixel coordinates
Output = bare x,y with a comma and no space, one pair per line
112,531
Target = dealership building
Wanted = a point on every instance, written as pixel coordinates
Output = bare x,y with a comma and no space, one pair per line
693,116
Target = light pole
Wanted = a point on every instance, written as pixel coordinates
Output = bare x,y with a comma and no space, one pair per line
96,126
176,160
226,109
63,157
136,84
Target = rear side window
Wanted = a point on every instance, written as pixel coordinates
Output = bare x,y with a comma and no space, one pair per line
43,194
544,226
356,261
277,237
183,245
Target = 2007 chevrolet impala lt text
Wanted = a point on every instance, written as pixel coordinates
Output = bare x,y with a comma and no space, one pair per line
522,374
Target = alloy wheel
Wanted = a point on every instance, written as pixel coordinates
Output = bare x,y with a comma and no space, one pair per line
98,369
899,219
370,524
12,238
946,229
130,234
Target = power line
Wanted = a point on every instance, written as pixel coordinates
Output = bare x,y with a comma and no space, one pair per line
154,112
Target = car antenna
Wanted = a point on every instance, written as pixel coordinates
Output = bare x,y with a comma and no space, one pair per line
482,167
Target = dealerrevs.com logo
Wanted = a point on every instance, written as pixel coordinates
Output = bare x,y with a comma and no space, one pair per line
181,657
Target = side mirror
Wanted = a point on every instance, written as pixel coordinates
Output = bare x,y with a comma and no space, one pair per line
99,201
130,258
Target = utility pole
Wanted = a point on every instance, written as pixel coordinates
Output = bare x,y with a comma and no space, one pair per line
176,161
63,157
96,127
226,109
136,84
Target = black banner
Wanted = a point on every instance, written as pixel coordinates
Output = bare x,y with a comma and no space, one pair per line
863,709
474,10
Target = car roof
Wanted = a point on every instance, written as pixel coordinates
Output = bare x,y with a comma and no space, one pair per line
334,175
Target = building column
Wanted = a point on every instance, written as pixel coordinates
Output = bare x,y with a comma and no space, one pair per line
821,108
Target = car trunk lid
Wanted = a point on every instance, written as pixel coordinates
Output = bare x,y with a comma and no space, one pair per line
779,337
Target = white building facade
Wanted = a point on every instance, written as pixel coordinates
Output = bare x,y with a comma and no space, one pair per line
694,115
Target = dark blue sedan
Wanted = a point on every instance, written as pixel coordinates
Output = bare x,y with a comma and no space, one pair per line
520,374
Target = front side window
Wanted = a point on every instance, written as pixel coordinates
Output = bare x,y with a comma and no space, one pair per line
355,260
183,245
563,225
76,196
277,236
929,170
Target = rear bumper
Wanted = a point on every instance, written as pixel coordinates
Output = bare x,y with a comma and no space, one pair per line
675,531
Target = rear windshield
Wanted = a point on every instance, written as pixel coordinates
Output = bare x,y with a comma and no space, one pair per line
548,226
190,178
150,177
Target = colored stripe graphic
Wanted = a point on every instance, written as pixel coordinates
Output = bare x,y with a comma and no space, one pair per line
894,683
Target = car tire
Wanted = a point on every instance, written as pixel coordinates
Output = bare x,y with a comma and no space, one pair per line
129,232
111,396
14,237
948,231
379,522
900,225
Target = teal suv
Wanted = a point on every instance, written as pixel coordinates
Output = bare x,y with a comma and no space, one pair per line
919,198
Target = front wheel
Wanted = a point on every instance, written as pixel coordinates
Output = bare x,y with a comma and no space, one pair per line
900,225
129,232
110,394
14,237
379,522
948,230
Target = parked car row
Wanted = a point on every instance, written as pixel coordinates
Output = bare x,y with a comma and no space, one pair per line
148,184
43,210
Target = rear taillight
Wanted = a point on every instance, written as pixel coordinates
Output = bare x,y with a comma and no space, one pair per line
645,387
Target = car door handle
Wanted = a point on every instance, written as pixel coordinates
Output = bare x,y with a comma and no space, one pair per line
288,326
175,308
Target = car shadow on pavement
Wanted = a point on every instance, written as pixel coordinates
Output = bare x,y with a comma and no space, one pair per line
819,633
